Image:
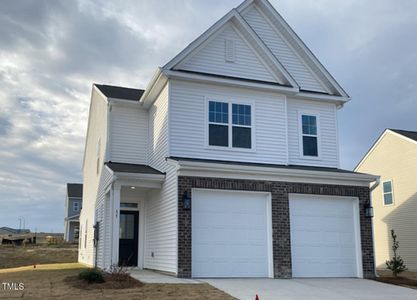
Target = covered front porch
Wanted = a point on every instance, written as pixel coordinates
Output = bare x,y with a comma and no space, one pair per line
119,230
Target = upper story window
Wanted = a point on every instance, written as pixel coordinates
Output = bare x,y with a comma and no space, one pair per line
230,125
309,135
76,206
388,192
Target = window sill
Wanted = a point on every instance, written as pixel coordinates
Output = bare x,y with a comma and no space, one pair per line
231,149
313,158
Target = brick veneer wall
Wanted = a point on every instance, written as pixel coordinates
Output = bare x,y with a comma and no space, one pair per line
280,218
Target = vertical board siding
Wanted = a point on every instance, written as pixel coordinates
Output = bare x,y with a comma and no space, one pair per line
211,59
161,205
102,213
129,135
327,133
283,52
188,125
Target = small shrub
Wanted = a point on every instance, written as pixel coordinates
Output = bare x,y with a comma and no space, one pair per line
396,264
118,273
91,276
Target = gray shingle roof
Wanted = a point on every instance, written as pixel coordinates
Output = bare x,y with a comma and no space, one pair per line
118,92
75,190
132,168
410,134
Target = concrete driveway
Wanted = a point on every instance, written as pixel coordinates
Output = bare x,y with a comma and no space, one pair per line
332,288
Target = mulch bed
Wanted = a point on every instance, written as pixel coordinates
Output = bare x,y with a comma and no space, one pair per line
402,281
110,282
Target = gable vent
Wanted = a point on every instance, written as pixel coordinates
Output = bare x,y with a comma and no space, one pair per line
230,51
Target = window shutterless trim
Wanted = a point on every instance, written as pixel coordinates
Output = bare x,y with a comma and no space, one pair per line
316,114
230,124
392,193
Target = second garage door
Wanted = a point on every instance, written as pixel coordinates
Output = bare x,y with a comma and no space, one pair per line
230,234
324,236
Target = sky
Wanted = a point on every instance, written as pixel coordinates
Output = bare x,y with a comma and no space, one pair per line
51,52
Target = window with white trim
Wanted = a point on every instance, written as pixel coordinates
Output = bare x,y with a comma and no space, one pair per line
76,206
309,135
388,193
230,125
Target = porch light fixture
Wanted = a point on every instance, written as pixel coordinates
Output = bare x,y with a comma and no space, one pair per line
369,211
132,187
186,201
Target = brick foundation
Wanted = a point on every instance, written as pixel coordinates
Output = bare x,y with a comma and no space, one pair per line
280,218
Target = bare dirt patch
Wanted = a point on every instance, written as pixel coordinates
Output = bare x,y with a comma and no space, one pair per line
406,279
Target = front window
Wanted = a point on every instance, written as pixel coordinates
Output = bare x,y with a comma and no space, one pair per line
388,193
230,125
309,135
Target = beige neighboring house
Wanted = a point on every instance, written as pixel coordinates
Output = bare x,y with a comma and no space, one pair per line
394,158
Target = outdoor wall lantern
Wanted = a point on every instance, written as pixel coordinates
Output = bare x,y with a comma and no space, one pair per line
186,201
369,211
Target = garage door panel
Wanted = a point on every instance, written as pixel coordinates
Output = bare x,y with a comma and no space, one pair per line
323,239
229,234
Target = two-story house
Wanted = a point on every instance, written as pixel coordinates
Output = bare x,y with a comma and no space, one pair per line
227,164
73,202
394,157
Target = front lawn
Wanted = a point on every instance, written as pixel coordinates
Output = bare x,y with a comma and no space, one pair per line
16,256
56,281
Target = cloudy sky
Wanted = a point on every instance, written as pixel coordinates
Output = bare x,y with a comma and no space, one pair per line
52,51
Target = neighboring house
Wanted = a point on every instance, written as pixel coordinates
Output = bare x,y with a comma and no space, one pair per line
227,165
7,230
394,157
73,204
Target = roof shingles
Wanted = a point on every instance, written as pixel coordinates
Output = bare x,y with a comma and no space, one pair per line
410,134
118,92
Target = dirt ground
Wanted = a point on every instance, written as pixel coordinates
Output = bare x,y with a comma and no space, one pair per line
406,278
11,257
46,282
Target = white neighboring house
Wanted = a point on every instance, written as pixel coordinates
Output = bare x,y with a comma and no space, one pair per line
73,202
227,164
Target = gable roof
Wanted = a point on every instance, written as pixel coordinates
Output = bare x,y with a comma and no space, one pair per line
297,44
118,92
75,190
249,34
405,134
409,134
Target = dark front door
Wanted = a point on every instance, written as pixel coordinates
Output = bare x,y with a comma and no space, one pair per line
128,239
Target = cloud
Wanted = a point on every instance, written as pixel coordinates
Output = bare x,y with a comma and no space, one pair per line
52,51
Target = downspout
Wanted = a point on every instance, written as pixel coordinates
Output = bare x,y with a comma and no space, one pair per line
371,189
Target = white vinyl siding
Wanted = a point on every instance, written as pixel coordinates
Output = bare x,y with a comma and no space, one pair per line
327,132
102,215
161,225
211,58
161,205
282,51
158,130
129,135
188,123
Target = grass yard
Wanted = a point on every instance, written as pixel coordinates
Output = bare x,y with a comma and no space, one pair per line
52,281
11,257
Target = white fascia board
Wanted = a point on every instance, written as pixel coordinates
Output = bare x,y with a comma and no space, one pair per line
228,81
323,97
140,176
123,102
376,143
155,86
202,169
264,4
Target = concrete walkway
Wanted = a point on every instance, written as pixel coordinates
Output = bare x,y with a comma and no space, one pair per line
148,276
312,289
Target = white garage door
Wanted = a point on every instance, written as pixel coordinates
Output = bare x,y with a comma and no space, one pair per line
324,236
230,234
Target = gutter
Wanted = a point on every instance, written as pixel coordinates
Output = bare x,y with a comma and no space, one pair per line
371,189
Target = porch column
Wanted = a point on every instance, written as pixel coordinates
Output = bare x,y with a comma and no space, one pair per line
115,213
